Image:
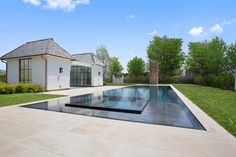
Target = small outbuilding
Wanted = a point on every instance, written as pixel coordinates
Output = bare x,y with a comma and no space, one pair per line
86,70
45,62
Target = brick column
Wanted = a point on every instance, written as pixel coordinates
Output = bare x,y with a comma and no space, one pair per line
153,72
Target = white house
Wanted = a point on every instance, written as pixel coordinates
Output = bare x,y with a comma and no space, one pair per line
45,62
86,70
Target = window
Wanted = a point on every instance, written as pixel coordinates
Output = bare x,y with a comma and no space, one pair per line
99,73
25,70
80,76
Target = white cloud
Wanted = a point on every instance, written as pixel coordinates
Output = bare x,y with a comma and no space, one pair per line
228,22
196,31
33,2
153,33
67,5
132,16
216,29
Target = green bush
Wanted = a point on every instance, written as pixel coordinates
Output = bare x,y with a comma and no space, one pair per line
199,80
138,79
20,88
7,89
225,81
221,81
2,78
181,79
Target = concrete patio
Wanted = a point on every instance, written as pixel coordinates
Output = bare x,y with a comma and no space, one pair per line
28,132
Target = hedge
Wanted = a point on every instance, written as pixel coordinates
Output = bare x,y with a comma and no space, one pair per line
2,78
138,79
20,88
221,81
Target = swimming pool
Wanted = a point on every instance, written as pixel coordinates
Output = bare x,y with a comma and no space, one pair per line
146,104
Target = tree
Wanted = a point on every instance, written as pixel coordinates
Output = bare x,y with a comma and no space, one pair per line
168,53
136,67
197,59
115,68
231,55
217,50
207,57
102,54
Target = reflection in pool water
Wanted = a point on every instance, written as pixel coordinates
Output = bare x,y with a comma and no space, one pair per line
147,104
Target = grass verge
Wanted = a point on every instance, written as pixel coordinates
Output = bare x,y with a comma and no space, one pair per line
13,99
217,103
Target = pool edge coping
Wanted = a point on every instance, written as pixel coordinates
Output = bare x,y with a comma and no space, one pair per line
208,122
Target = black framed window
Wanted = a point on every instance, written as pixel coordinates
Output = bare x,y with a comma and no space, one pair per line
80,76
26,70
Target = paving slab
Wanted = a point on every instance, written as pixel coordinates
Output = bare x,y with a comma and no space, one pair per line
30,132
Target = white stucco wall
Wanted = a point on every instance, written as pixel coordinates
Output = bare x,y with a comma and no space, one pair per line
12,71
57,80
97,80
38,70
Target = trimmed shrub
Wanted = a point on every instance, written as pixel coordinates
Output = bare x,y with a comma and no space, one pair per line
199,80
138,79
7,89
2,78
181,79
225,81
20,88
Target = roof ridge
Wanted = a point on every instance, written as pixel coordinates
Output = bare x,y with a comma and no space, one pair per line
93,59
62,49
39,40
83,53
40,47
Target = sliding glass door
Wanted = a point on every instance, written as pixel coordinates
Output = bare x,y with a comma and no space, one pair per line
80,76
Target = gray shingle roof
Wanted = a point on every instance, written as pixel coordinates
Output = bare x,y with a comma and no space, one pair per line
39,47
89,58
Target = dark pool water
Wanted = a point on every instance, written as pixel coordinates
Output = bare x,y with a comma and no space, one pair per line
146,104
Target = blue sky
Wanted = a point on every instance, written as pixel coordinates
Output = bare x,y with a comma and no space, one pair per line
124,26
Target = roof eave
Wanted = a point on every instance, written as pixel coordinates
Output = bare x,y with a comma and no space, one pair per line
2,58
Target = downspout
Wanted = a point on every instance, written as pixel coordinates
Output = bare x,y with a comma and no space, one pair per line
6,68
46,72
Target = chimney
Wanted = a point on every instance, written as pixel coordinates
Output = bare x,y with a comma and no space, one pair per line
153,72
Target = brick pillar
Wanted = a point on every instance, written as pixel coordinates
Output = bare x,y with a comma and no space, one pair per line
153,72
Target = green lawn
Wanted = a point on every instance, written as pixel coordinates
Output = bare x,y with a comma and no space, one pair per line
217,103
13,99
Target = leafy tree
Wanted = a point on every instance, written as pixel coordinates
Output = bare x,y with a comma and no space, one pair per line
231,55
168,53
217,50
114,68
198,58
136,67
102,54
207,57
